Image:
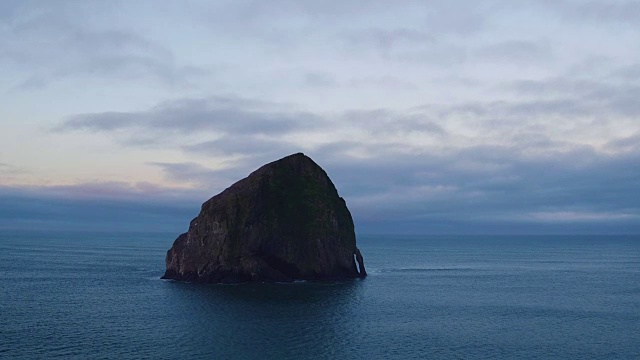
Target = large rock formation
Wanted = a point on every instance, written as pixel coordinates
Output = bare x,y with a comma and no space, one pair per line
283,222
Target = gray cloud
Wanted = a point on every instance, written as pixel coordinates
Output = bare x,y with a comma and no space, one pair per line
412,109
11,172
505,185
4,167
244,145
476,189
387,122
511,165
386,41
386,81
437,17
622,12
440,55
555,86
224,115
113,190
625,144
319,79
491,184
53,42
96,207
187,172
205,180
515,51
629,73
566,96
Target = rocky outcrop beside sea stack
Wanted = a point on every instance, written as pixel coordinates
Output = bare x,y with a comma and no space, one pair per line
283,222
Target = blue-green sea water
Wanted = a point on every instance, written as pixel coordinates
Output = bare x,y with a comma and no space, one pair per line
85,296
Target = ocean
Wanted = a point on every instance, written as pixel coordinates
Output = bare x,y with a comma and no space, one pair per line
88,296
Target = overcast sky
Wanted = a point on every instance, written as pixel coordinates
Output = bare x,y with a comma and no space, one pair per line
429,116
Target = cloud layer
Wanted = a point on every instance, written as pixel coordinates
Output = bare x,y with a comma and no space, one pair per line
432,116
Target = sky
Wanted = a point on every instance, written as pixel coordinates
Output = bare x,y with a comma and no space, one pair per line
429,116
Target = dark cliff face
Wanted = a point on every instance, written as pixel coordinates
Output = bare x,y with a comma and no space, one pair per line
283,222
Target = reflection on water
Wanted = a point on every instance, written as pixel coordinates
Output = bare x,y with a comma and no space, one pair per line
283,320
278,293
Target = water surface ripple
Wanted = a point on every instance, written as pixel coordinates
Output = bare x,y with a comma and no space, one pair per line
81,295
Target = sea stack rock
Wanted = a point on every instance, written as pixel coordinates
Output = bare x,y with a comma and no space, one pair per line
283,222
